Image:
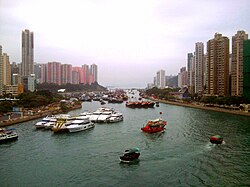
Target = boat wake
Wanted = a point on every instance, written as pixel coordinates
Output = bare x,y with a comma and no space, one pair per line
210,145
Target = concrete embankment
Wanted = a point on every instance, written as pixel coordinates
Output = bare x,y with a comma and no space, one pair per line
216,109
17,120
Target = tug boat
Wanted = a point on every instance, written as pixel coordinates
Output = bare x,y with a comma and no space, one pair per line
153,126
216,139
130,155
7,135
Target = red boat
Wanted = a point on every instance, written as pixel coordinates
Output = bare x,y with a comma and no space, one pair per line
217,139
153,126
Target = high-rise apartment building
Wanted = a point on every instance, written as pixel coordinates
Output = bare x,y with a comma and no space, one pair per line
160,79
66,73
6,78
54,73
43,77
246,69
189,66
93,74
182,77
27,53
199,68
85,78
237,63
218,65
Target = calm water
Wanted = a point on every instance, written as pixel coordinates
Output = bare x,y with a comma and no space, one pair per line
182,156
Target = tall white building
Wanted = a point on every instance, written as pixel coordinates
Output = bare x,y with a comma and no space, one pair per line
199,67
160,79
27,53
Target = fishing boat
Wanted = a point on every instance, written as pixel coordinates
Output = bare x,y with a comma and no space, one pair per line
153,126
7,135
130,155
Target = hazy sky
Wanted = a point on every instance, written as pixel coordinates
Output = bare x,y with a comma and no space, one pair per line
129,40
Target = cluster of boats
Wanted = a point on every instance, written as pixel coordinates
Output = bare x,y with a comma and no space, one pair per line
7,135
140,104
84,121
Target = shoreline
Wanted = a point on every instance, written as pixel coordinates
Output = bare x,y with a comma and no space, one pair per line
215,109
32,117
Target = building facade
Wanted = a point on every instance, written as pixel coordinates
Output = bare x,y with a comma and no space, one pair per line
246,69
237,63
199,68
6,70
66,73
160,79
93,74
27,63
218,66
54,73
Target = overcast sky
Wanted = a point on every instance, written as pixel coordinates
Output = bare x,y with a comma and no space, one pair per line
129,40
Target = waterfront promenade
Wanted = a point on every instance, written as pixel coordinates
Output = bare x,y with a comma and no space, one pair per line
41,114
203,107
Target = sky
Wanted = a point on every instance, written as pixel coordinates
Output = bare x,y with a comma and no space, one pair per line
129,40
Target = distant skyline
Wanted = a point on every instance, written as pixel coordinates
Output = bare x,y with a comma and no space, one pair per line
129,40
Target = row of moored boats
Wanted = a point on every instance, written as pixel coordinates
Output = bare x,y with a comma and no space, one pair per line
84,121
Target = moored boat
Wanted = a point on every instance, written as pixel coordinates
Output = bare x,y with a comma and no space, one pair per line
153,126
140,104
130,155
7,135
116,117
62,122
80,125
41,124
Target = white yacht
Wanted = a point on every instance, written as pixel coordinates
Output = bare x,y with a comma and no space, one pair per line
80,125
116,117
50,124
41,124
104,116
94,116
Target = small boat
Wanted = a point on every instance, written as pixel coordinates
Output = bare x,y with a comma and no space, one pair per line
7,135
130,155
157,104
80,125
216,139
116,117
153,126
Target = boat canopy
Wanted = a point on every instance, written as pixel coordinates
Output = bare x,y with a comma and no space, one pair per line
132,150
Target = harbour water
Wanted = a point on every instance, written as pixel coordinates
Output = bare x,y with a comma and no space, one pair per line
182,156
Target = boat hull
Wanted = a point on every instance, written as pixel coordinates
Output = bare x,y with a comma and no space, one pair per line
8,139
152,130
130,158
78,128
216,139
